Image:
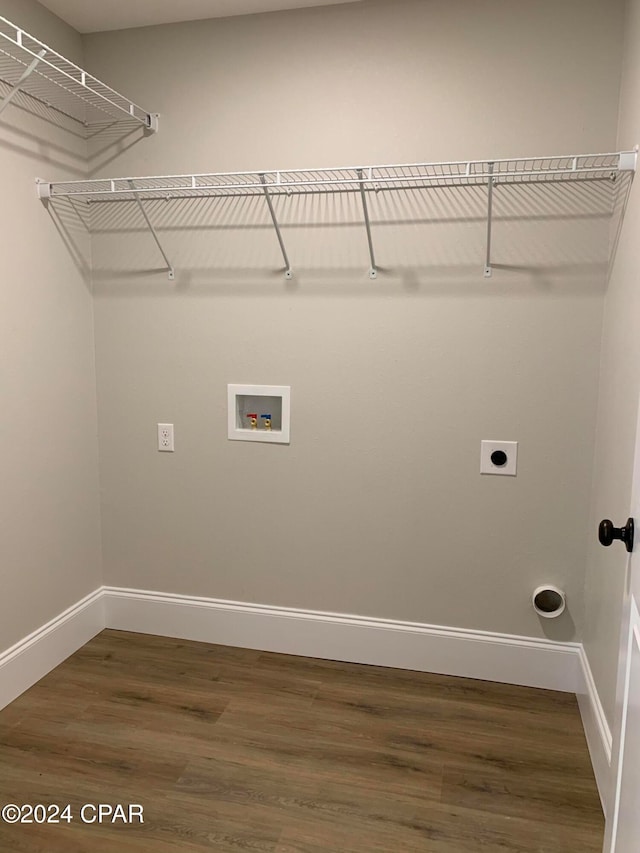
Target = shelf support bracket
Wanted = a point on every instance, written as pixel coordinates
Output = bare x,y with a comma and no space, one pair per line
488,272
288,273
25,74
373,272
152,122
170,268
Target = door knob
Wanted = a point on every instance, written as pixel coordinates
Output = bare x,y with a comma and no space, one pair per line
607,533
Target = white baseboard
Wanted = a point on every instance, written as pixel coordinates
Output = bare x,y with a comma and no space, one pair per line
25,663
503,658
596,729
405,645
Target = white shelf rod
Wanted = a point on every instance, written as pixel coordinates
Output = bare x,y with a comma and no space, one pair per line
488,272
26,74
170,269
373,271
173,192
447,174
287,266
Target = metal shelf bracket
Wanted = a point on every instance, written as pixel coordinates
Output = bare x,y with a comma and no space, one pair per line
26,74
288,273
152,123
43,188
628,160
373,271
488,271
170,269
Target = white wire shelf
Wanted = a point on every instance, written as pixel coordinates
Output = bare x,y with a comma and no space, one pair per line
347,179
29,65
353,179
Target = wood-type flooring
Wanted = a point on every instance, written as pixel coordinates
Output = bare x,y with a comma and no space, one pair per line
238,750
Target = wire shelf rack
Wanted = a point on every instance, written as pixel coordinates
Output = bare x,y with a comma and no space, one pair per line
29,65
360,180
348,179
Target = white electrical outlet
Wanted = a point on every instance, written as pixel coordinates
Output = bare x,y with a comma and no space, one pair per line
165,438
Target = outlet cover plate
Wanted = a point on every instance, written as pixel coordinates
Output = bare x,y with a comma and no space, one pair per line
165,438
509,448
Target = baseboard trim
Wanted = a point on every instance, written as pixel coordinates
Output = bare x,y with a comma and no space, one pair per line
596,729
505,658
29,660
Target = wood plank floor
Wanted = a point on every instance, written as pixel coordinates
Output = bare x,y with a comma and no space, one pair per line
232,749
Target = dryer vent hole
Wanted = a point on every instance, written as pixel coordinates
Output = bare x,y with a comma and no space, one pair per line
548,601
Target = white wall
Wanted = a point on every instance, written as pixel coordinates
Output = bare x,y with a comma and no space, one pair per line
619,385
377,506
49,495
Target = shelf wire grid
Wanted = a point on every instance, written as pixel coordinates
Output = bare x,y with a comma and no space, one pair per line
598,167
60,83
